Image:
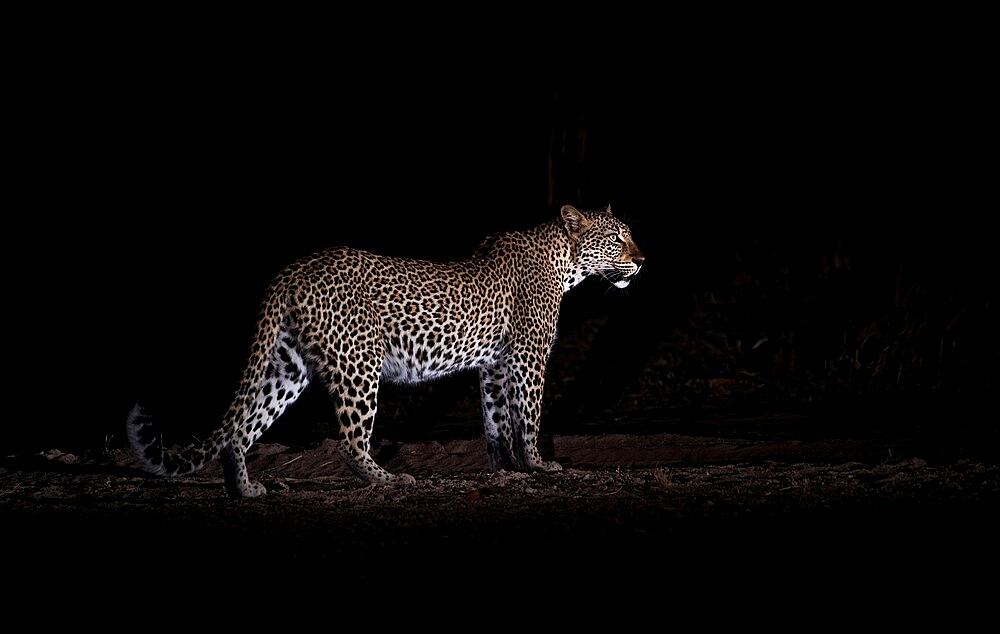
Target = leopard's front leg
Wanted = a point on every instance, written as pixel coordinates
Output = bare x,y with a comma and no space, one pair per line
525,390
502,446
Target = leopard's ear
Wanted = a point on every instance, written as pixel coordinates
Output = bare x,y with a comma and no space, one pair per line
608,210
576,223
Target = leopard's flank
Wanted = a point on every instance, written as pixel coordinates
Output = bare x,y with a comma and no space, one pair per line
351,319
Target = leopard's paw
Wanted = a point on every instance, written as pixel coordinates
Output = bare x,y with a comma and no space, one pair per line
253,490
403,478
549,465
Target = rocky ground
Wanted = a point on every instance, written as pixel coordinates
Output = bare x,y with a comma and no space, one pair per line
755,498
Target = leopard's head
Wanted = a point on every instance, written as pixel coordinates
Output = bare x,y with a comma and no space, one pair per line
602,246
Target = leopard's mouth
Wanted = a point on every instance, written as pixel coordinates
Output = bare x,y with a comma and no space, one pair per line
621,277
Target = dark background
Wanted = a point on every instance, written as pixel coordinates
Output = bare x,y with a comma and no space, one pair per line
822,188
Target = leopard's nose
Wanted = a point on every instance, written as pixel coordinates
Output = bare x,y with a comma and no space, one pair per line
638,259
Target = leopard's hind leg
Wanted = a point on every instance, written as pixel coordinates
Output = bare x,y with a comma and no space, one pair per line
285,378
349,363
352,381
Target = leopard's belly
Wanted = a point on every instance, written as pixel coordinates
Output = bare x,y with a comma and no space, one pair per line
414,357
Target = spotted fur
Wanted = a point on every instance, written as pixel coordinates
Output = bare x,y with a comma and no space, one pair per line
351,319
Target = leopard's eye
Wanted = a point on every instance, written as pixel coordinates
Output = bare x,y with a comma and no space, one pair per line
614,237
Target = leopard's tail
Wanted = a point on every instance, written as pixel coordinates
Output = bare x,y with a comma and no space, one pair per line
154,457
249,401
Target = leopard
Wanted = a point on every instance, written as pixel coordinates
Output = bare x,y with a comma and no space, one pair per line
351,320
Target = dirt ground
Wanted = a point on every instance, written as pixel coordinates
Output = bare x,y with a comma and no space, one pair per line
732,501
